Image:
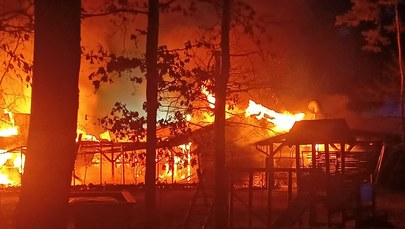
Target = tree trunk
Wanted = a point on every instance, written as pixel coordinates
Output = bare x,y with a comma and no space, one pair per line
221,81
401,73
152,75
52,132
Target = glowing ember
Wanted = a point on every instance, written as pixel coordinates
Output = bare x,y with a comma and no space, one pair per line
282,121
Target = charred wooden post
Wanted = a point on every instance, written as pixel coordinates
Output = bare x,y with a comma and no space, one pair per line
327,182
297,167
342,172
123,164
112,162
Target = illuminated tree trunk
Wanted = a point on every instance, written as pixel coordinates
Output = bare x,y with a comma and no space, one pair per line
221,81
152,75
52,132
401,72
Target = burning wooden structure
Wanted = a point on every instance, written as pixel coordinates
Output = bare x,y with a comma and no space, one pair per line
325,169
322,165
111,162
331,168
123,163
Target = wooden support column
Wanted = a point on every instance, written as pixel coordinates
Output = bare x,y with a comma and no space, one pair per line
112,162
327,173
297,167
123,164
313,150
172,164
101,164
342,172
342,159
312,191
327,161
270,182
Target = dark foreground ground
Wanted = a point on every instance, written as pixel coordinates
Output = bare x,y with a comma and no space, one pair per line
174,203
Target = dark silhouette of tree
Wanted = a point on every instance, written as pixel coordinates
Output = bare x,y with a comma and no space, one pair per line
152,77
51,142
221,82
380,20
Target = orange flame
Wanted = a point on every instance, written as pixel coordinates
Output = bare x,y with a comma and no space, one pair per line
12,130
210,97
11,167
7,132
282,121
177,172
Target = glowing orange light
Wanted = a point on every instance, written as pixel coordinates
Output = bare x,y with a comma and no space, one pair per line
177,172
188,117
11,167
4,179
282,121
210,97
11,131
85,136
186,149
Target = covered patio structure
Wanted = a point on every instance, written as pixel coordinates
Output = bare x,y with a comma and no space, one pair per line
328,170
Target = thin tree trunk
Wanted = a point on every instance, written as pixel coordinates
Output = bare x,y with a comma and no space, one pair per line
152,75
52,131
401,72
221,81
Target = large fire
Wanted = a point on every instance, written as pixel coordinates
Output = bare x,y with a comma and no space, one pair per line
282,121
10,130
11,163
175,168
11,167
178,171
210,97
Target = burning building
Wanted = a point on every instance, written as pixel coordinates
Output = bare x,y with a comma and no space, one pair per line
101,160
13,136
